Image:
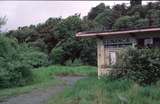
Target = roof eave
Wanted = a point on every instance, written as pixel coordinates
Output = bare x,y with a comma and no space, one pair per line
92,35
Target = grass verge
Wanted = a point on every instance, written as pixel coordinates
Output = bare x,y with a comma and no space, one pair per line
94,91
69,70
45,77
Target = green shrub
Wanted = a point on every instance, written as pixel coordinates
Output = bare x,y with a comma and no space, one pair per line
88,52
57,55
32,56
13,72
142,65
76,62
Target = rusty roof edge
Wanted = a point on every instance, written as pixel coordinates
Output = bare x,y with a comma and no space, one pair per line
85,34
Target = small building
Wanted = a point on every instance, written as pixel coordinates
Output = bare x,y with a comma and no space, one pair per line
109,43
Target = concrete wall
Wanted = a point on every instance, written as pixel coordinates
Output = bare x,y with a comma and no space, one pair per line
103,52
102,58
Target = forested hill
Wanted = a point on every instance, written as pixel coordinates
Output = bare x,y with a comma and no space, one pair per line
56,37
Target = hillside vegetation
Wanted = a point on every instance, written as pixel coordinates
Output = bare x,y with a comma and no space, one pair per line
53,42
56,36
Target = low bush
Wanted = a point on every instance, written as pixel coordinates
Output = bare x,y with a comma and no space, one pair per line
57,55
76,62
13,72
33,57
142,65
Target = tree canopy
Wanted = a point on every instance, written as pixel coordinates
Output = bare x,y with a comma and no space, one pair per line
56,36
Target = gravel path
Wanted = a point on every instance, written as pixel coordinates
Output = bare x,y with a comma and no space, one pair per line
42,96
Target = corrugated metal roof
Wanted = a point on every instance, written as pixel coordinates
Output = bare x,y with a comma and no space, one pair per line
109,33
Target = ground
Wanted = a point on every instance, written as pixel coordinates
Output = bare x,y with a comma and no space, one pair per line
47,82
107,91
41,96
79,85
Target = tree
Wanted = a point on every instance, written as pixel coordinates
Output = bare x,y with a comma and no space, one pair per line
154,17
105,19
123,23
96,10
3,21
68,27
13,71
135,2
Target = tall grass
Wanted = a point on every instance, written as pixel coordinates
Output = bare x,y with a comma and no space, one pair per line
66,70
45,76
94,91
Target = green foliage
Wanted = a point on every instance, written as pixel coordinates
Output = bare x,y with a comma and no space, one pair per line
57,55
13,71
142,65
154,16
131,22
135,2
66,70
76,62
141,23
100,91
16,62
32,56
88,53
105,18
44,77
2,21
123,22
137,9
89,25
60,32
68,27
96,10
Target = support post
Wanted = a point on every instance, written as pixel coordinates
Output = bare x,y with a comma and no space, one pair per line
100,56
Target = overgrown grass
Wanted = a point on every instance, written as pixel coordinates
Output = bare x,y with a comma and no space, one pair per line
68,70
94,91
45,77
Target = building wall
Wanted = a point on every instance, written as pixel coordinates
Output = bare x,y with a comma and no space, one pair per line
106,55
104,51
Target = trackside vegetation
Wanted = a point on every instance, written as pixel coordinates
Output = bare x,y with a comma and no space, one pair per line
32,56
107,91
54,41
46,76
140,65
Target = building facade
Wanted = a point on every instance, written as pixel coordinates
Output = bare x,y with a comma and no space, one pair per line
109,43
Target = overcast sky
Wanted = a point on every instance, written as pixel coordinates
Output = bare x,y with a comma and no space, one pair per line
22,13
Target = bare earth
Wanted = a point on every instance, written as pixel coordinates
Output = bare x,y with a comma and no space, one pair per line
42,96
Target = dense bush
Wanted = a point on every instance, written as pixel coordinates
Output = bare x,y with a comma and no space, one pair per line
32,56
16,62
76,62
123,22
142,65
13,71
57,55
88,52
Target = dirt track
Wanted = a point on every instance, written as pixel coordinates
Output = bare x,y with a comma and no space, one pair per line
42,96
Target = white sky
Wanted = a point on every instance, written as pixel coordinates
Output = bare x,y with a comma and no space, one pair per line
22,13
